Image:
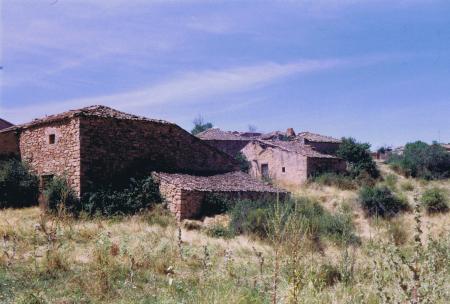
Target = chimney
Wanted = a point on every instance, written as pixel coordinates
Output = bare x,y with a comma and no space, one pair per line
290,132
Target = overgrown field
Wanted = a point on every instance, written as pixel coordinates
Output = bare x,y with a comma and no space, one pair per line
149,258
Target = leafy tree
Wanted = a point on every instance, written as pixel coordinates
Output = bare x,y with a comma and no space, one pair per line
200,125
422,160
358,157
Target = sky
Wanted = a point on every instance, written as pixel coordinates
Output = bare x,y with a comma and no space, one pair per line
378,71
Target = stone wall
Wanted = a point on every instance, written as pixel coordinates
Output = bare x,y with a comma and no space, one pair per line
62,158
295,165
317,165
185,204
231,147
9,143
112,147
324,147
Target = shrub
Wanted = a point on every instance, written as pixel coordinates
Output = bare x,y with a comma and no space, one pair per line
139,195
397,231
18,187
244,164
380,201
218,231
358,157
340,181
58,194
423,161
255,218
213,204
435,200
391,181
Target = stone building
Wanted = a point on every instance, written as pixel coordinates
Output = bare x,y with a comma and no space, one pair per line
94,145
289,162
229,142
4,124
286,157
186,193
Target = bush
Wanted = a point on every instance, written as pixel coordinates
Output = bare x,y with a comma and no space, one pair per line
213,204
139,195
435,200
391,181
58,194
218,231
407,186
423,161
254,218
244,164
381,201
18,187
339,181
358,157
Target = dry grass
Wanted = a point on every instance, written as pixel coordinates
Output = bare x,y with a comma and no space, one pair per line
134,260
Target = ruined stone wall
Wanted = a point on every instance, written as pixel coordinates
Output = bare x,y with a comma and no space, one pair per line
324,147
122,147
62,158
9,143
295,165
318,165
231,147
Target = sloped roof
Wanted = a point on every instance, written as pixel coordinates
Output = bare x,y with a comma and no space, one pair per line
4,124
294,146
91,111
228,182
318,138
218,134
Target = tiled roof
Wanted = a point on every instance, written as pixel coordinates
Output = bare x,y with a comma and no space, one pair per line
318,138
218,134
294,146
229,182
91,111
4,124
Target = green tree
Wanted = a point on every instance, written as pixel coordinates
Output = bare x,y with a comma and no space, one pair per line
200,125
358,157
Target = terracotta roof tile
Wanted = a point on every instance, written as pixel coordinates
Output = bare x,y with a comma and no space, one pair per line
228,182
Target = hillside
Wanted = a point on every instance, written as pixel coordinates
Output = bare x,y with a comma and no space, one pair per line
147,258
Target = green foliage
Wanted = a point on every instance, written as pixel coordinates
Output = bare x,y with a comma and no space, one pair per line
244,164
423,161
213,204
380,200
18,187
219,231
340,181
435,200
139,195
200,125
58,194
254,217
358,157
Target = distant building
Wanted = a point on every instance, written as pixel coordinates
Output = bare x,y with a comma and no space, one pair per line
289,162
446,147
4,124
282,156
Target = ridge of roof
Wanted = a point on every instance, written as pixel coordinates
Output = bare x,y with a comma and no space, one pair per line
219,134
90,111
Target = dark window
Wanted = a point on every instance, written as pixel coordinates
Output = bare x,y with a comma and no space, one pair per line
283,169
51,139
265,170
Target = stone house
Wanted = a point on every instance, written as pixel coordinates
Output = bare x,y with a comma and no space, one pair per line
5,124
229,142
289,162
96,145
93,145
285,157
185,193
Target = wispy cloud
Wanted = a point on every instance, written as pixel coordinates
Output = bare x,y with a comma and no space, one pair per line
197,87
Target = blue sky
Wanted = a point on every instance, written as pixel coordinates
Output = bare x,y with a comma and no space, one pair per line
375,70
